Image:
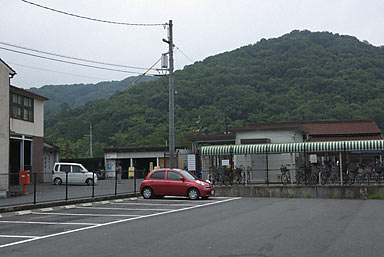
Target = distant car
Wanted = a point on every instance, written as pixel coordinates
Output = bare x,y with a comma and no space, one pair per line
175,182
77,174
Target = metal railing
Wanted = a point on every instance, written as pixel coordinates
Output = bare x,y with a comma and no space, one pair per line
41,188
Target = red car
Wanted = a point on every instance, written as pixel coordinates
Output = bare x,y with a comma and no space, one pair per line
175,182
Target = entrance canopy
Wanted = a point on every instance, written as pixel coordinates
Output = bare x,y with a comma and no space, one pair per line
331,146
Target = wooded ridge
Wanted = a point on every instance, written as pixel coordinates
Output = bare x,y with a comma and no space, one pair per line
301,76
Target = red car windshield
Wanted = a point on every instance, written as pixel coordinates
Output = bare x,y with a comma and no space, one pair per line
188,175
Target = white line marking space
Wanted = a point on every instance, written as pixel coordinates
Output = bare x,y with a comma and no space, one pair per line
13,236
47,223
114,222
84,214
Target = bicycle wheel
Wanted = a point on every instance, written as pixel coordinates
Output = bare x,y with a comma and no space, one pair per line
284,178
324,178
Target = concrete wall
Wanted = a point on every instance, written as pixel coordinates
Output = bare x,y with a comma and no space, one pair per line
35,128
333,192
4,128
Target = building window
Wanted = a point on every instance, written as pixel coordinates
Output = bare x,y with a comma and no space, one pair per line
21,107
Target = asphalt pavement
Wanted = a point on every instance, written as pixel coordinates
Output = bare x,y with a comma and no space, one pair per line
215,227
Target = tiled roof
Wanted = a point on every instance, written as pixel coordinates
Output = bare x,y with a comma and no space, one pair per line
342,127
355,127
344,138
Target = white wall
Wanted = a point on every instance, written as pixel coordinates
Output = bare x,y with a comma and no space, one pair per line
258,163
277,136
35,128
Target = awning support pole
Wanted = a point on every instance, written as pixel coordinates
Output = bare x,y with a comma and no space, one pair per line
341,168
291,169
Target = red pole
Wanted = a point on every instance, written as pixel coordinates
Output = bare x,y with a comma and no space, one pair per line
24,188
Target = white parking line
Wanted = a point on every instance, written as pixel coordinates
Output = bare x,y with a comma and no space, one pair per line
85,214
114,222
121,209
156,204
13,236
47,223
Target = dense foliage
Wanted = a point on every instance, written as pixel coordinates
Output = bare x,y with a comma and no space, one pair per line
69,96
299,76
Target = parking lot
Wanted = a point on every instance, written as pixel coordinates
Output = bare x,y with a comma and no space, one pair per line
21,227
220,226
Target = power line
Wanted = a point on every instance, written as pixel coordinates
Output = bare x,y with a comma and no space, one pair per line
93,19
65,73
142,75
184,54
68,62
69,57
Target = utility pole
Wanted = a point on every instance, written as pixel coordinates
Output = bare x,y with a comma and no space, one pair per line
171,99
90,139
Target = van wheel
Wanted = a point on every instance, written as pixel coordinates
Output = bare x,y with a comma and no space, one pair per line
193,194
89,182
57,181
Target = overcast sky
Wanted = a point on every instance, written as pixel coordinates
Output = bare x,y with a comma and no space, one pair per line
202,28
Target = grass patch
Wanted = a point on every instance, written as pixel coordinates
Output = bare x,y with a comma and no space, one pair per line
374,196
291,196
308,196
335,196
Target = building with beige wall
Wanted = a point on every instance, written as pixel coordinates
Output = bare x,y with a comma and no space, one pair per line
21,131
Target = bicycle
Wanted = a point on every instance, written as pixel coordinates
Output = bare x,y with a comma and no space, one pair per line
285,176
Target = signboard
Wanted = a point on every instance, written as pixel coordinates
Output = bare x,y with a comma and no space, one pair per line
313,158
224,162
131,172
191,162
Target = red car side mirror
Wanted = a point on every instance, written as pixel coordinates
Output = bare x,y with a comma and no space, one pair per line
182,179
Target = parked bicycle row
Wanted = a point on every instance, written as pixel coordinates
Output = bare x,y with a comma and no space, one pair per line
324,174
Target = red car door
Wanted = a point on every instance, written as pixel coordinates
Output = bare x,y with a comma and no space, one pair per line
158,183
176,183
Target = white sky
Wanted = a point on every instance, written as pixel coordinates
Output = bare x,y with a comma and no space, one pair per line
202,28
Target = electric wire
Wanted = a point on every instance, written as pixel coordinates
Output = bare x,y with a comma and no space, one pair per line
69,62
186,56
93,19
60,72
69,57
142,75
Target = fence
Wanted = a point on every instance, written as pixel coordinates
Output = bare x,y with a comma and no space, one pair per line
294,168
39,191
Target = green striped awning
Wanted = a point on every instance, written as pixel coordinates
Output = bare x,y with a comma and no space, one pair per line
311,147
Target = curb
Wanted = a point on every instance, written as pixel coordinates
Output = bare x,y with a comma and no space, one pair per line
61,203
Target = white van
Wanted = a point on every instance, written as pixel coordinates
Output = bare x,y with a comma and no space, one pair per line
77,174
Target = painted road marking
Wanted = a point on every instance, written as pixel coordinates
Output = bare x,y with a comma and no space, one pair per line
85,214
47,223
121,209
114,222
156,204
13,236
24,212
46,209
69,207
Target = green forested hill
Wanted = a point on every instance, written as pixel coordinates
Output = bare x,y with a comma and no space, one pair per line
299,76
78,94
